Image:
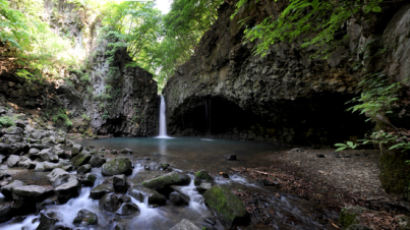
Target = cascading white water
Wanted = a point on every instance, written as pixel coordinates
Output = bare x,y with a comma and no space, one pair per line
162,120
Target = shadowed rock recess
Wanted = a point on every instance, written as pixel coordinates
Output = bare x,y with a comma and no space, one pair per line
286,96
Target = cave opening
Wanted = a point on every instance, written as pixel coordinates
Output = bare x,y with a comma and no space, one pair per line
320,119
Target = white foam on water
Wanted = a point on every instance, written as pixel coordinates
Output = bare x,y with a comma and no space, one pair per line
196,201
27,224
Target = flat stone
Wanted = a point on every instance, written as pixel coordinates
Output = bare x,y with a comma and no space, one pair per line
185,225
167,180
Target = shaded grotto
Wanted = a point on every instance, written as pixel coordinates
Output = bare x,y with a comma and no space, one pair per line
320,119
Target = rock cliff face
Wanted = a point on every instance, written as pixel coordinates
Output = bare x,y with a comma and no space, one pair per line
285,96
133,107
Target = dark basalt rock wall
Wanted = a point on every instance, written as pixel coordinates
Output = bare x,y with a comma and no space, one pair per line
133,107
286,96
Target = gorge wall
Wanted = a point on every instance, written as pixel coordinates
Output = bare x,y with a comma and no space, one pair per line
286,96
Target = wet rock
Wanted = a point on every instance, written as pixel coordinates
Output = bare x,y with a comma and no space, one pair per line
97,161
65,185
126,151
227,205
111,202
87,179
2,157
12,161
6,211
120,183
76,149
47,221
128,208
117,166
46,166
48,155
185,225
164,166
85,217
14,130
203,187
100,190
7,189
84,169
154,197
201,176
167,180
80,159
25,162
32,192
178,199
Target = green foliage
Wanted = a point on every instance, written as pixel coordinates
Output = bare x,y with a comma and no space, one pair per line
347,145
377,98
376,102
62,118
158,43
313,22
6,121
36,46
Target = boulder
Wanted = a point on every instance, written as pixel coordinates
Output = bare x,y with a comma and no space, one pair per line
33,153
120,183
2,157
47,221
8,189
12,161
185,224
81,159
6,211
128,208
31,192
111,202
154,198
178,199
201,176
84,169
117,166
97,161
65,185
100,190
76,149
165,181
87,179
227,206
85,217
48,155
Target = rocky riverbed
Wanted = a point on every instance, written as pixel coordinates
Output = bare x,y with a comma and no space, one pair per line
50,181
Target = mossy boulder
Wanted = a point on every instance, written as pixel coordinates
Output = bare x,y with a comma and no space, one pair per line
85,217
166,181
117,166
395,172
80,159
201,176
227,206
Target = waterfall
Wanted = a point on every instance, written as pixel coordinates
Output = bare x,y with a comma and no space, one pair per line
162,120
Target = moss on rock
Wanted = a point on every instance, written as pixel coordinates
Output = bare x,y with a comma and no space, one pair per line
202,176
80,159
162,182
117,166
227,206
